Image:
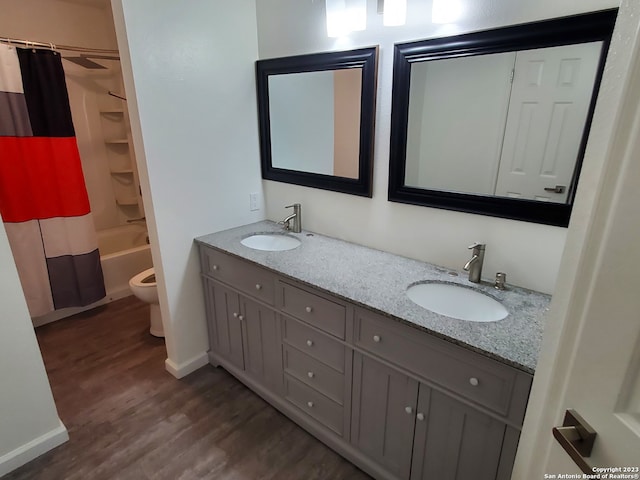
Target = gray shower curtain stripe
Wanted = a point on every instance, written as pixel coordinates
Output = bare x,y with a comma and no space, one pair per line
43,198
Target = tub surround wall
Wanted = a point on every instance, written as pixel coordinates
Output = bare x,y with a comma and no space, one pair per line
529,253
190,81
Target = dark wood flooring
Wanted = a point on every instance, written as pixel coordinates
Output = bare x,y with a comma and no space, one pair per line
130,419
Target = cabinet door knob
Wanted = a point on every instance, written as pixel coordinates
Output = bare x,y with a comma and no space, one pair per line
258,286
311,374
309,343
309,309
408,409
376,338
420,416
474,381
215,267
240,317
235,314
310,404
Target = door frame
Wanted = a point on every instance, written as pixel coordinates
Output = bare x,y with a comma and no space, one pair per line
612,137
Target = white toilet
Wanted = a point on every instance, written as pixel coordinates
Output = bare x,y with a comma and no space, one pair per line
144,287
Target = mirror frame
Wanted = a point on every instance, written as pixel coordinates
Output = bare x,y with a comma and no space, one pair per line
583,28
364,58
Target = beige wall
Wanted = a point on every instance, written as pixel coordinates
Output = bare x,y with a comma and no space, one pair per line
347,88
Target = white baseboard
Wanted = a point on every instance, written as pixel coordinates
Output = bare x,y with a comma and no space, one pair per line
185,368
33,449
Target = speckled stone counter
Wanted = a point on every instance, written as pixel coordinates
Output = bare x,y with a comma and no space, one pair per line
378,280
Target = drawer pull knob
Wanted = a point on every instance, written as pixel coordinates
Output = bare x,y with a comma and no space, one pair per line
376,338
309,343
309,309
216,267
311,374
310,404
474,381
420,416
235,314
240,317
258,286
408,409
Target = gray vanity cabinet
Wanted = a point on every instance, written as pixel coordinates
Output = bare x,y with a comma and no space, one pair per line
400,403
454,441
383,416
245,333
418,433
225,330
261,344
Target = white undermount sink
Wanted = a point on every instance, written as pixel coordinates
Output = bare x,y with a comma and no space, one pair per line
456,301
271,242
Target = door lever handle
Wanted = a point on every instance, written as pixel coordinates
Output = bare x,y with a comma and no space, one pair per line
556,189
577,437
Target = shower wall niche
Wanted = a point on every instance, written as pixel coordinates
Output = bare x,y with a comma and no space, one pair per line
104,139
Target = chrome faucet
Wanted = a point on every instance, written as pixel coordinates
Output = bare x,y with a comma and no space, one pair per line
293,222
474,266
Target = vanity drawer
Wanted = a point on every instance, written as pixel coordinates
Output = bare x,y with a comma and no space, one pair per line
244,276
313,403
318,311
313,343
465,373
315,374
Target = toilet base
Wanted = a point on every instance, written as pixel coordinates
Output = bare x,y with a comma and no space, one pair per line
156,321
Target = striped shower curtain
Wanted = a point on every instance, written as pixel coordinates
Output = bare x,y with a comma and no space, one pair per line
43,198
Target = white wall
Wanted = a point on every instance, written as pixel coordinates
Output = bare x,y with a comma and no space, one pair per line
29,424
529,253
189,77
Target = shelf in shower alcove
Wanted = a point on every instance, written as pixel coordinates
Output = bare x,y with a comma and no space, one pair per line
117,141
115,111
127,202
123,171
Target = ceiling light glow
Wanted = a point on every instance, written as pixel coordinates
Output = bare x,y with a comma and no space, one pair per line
395,13
345,16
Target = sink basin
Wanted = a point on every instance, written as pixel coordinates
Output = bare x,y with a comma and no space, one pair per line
271,242
456,301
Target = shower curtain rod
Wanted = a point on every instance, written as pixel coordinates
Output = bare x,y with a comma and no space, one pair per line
53,46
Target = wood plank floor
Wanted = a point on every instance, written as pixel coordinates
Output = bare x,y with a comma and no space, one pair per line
130,419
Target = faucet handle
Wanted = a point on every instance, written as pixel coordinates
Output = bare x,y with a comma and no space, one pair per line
292,206
476,245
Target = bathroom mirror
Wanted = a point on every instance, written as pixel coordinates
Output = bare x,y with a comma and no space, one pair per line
316,116
496,122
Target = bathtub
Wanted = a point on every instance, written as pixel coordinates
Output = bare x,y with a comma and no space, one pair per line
124,252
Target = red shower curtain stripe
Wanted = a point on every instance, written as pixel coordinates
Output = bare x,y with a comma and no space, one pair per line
48,184
43,198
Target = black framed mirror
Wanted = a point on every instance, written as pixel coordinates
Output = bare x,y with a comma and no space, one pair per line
316,118
496,122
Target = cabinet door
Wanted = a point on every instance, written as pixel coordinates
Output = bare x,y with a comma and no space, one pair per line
225,324
454,441
262,351
384,403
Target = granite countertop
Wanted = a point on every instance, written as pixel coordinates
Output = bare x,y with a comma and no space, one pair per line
378,280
